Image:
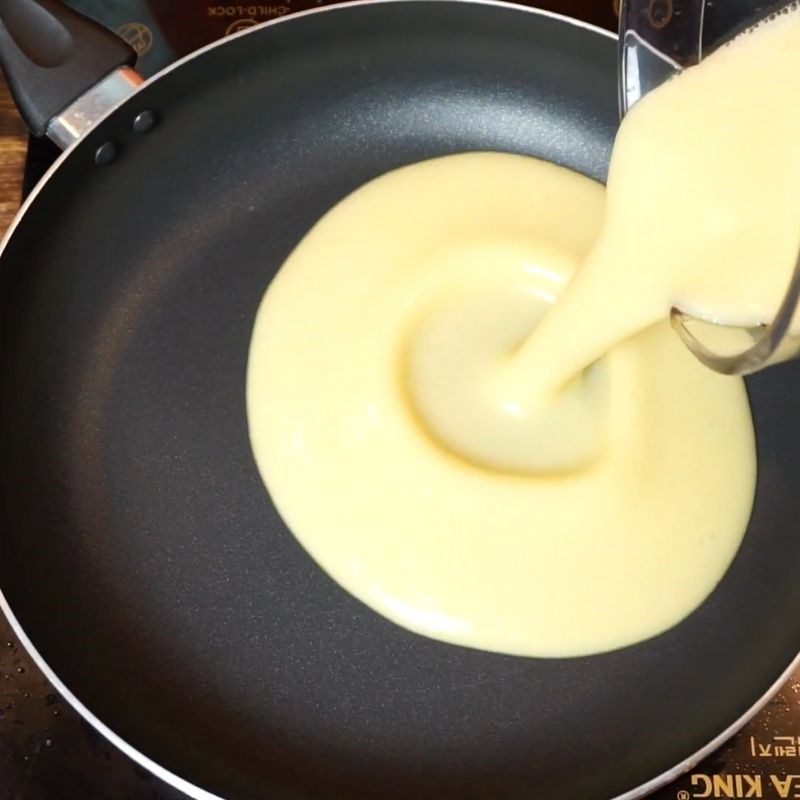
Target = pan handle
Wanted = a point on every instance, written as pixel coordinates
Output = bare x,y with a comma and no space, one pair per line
52,57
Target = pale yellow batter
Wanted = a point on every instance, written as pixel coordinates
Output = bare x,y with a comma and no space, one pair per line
443,439
702,210
426,484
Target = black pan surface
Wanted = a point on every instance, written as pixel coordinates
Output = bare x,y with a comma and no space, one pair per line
140,552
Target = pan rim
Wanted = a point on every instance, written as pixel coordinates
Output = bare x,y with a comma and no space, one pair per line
172,779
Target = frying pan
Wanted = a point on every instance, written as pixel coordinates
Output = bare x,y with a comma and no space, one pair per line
142,561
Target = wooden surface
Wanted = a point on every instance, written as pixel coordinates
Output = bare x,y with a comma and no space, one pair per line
13,143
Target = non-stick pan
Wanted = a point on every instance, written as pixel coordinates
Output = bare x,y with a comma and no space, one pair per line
142,561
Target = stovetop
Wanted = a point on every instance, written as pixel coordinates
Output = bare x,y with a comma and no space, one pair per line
48,753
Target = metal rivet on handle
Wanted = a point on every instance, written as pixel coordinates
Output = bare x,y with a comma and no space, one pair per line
145,121
105,154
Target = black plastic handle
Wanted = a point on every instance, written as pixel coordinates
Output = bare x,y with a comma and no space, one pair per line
51,55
